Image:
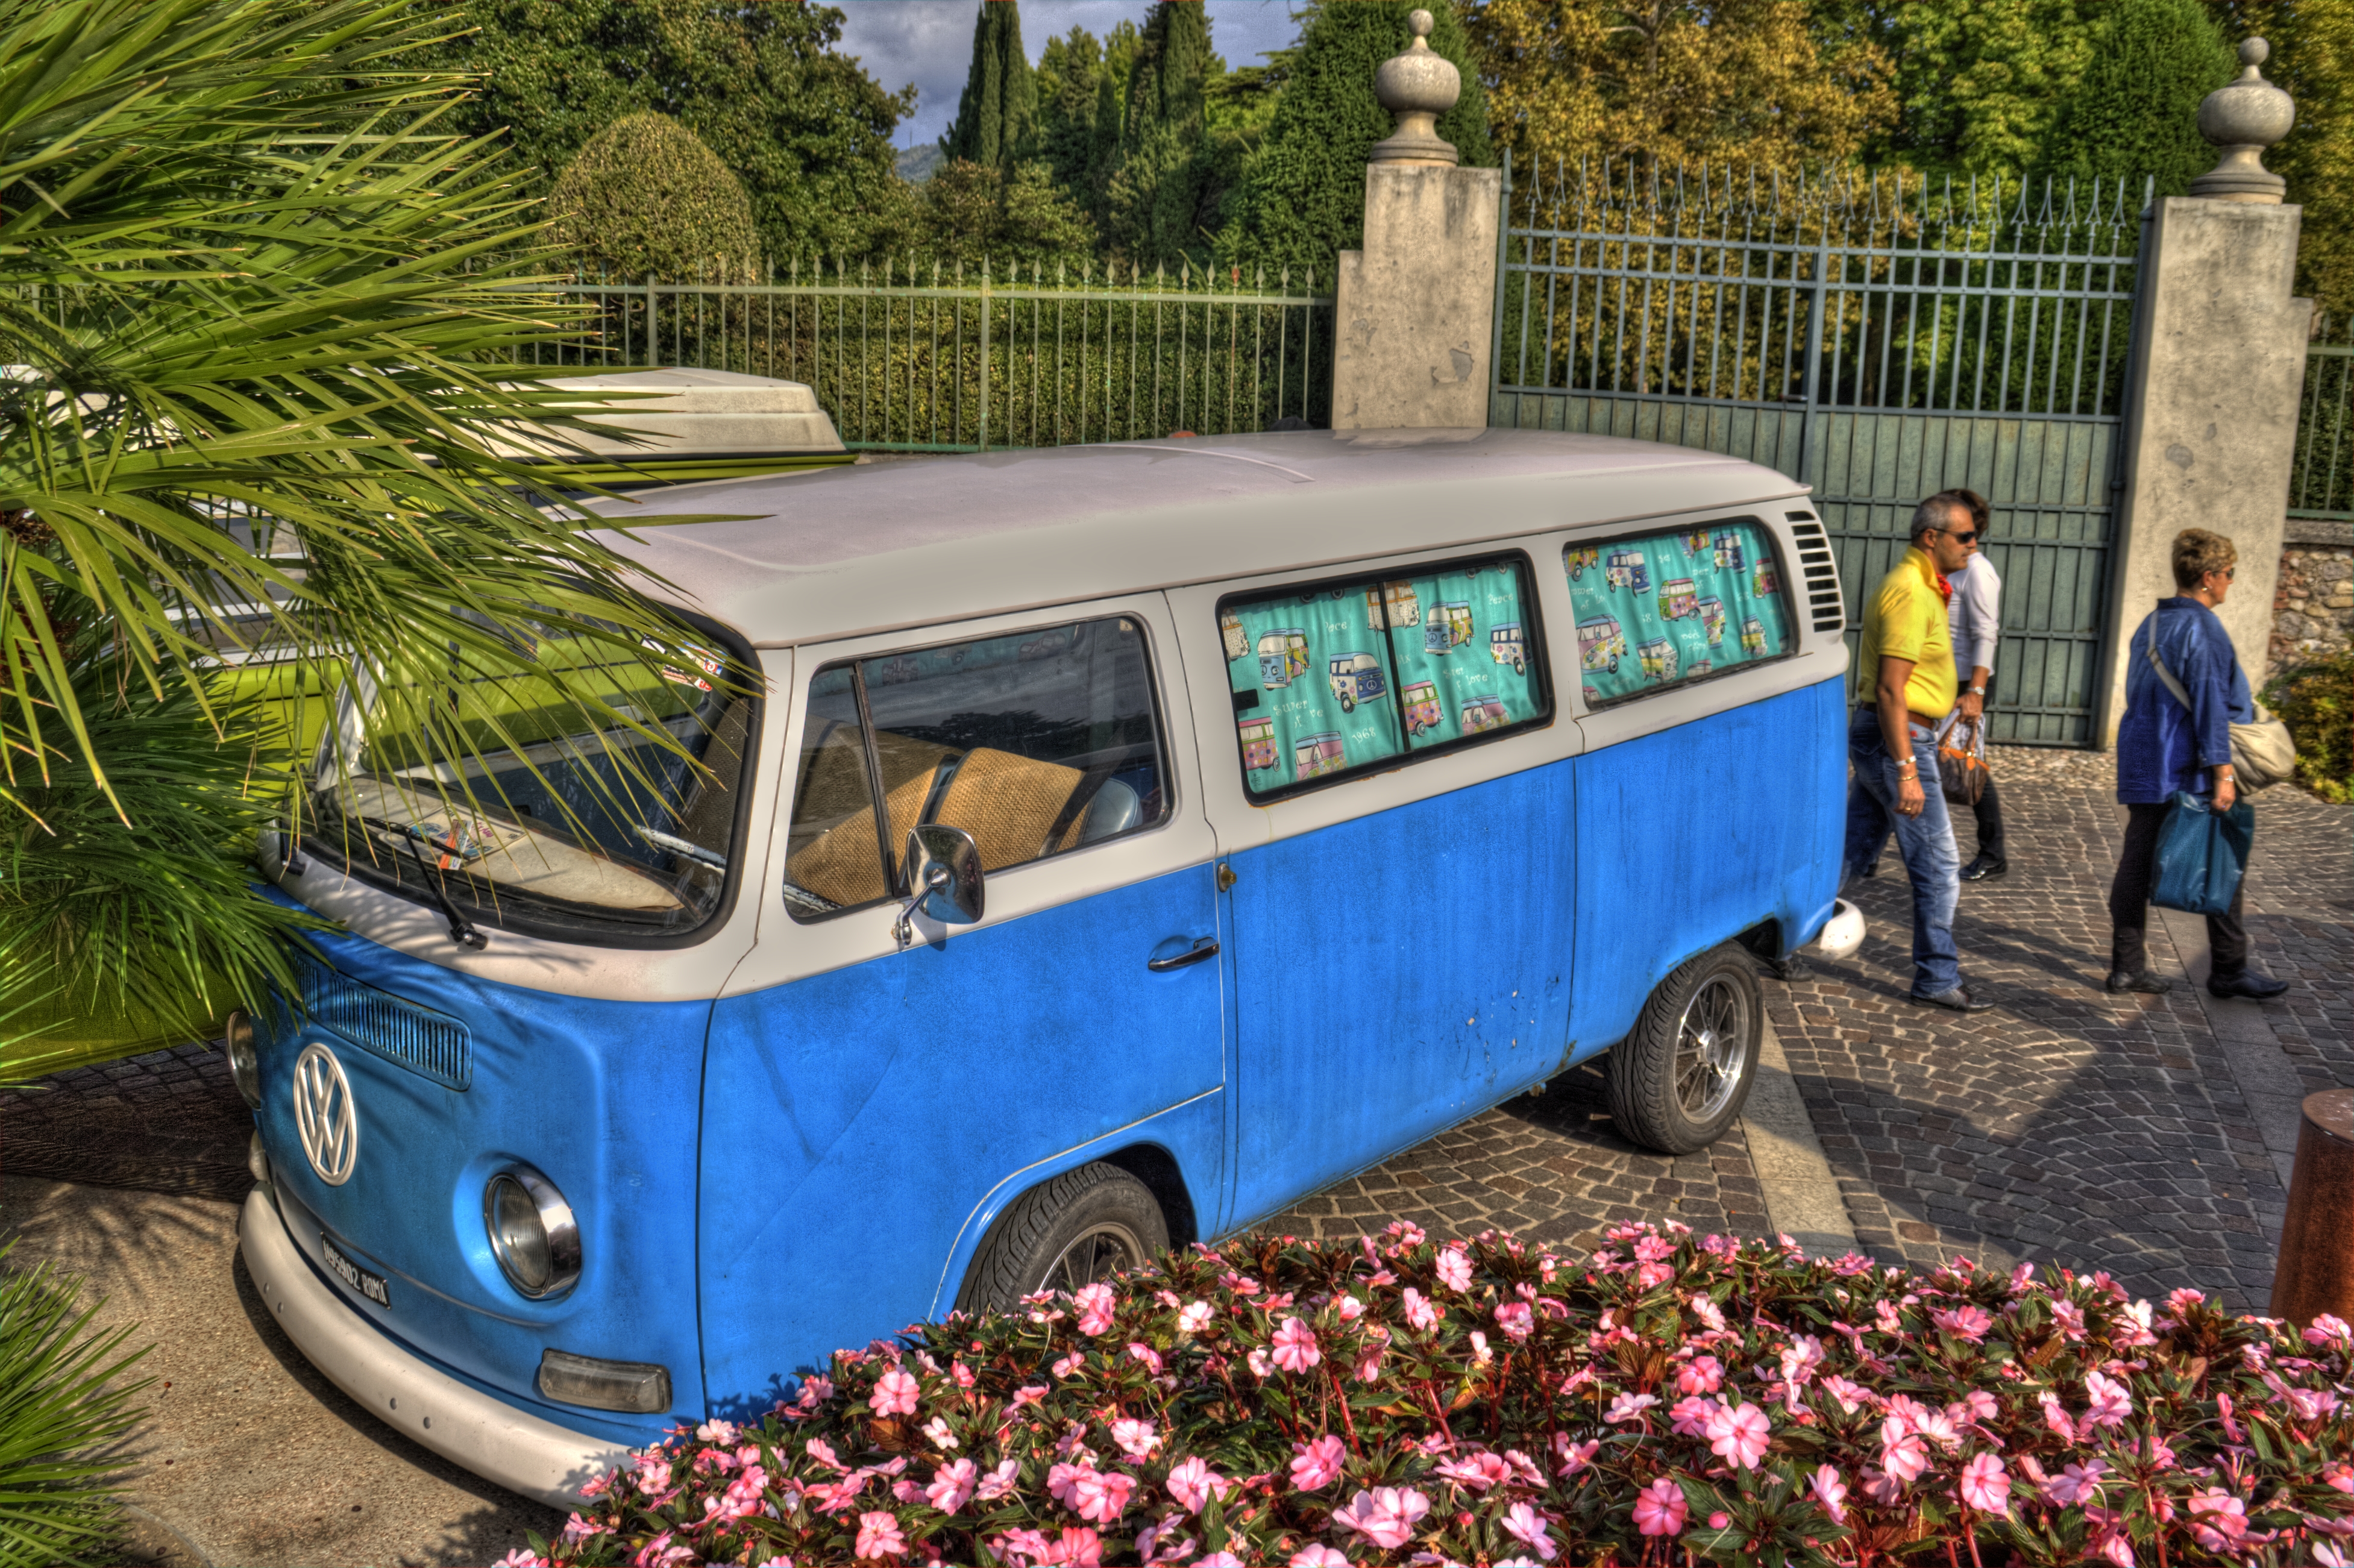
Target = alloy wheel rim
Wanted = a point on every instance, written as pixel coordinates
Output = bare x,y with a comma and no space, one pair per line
1096,1254
1712,1048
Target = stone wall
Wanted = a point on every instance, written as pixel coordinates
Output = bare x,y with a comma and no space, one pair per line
2313,603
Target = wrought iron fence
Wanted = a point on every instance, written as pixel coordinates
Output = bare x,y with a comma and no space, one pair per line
2321,481
1880,337
930,358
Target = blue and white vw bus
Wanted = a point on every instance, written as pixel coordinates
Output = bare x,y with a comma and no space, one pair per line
985,954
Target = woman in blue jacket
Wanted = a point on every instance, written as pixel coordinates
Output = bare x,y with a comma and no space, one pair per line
2163,745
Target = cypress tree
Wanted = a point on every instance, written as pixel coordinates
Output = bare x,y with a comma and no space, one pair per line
996,122
2135,111
1302,198
1071,75
1155,193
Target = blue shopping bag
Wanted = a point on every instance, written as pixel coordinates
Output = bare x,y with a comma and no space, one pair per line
2202,854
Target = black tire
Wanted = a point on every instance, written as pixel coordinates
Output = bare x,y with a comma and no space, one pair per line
1082,1226
1679,1080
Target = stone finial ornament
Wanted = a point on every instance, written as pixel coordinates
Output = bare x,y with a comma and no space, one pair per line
2243,117
1417,87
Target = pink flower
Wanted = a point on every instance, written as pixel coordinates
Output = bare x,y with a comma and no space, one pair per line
1708,1313
998,1481
894,1393
1628,1407
2340,1474
1136,1439
1906,1456
2328,1329
1078,1548
1195,1318
1454,1269
1830,1491
1147,1355
1295,1347
1385,1516
2217,1519
1191,1482
2055,1417
1101,1496
878,1535
1480,1354
937,1431
2111,1402
952,1485
1966,1323
1688,1418
2076,1484
1095,1303
523,1557
1524,1524
1070,1363
1701,1374
1574,1457
1419,1312
1318,1462
1477,1471
1316,1554
1985,1485
1851,1395
1739,1435
2070,1318
1033,1393
1660,1509
1350,1308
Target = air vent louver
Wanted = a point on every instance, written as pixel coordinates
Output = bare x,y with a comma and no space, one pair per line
428,1043
1820,572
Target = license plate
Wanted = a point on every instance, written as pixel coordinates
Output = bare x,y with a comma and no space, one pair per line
371,1286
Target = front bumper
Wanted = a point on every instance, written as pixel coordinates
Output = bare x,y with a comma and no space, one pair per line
487,1436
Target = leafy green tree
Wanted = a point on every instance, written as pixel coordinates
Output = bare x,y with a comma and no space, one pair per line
2135,112
969,211
997,117
646,196
1302,196
802,125
2312,61
1155,208
1982,81
218,316
1072,77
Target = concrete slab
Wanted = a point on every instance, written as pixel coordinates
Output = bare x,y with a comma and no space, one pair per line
1802,1196
2267,1079
247,1456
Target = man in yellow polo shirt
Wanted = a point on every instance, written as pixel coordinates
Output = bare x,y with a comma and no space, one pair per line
1905,677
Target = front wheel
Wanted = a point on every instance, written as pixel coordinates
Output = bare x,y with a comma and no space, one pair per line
1348,704
1679,1078
1083,1226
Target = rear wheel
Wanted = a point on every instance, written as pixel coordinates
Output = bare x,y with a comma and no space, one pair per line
1083,1225
1679,1078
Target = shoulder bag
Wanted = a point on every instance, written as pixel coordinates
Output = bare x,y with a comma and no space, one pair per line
2262,754
1961,760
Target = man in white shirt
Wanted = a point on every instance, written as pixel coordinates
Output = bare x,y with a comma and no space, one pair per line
1974,616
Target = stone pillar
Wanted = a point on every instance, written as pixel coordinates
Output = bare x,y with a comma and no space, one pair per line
2218,361
1416,308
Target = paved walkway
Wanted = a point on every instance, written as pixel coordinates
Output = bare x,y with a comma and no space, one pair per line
2148,1136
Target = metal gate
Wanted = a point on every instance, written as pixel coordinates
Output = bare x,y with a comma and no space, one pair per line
1873,336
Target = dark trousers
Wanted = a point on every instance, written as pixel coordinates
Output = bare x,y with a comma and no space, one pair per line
1989,812
2227,939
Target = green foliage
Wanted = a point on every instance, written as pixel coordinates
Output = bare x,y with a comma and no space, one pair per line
803,126
1302,196
212,323
2313,61
1982,81
968,211
1155,211
2135,111
2317,703
645,196
59,1402
1080,81
997,117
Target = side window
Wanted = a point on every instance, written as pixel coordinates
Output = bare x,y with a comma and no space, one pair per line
1344,676
1664,609
1036,743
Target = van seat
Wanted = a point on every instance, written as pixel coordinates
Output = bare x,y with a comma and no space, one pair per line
1008,804
1115,809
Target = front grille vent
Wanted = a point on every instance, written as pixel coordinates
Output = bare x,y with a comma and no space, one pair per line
430,1045
1819,570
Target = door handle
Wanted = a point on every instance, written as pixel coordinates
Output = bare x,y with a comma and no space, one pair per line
1202,947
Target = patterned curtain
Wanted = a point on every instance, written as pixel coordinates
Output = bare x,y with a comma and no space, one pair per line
1674,606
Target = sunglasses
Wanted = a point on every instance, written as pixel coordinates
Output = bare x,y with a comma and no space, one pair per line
1967,536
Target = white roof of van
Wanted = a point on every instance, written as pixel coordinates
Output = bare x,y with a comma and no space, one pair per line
840,551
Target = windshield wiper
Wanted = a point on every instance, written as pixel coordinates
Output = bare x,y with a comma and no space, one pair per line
462,931
681,847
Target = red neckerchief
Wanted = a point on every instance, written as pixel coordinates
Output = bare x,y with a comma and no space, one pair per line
1944,584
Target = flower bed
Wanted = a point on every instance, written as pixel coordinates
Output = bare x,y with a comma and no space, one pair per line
1669,1399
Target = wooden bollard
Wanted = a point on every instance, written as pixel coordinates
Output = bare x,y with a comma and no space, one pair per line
2315,1272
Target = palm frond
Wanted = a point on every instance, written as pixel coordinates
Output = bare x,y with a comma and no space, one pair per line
61,1401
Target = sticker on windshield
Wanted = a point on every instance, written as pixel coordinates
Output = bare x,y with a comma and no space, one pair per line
705,659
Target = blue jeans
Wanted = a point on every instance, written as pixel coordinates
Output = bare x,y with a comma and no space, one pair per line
1925,843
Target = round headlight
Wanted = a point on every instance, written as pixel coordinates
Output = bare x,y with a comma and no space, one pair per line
532,1231
244,1060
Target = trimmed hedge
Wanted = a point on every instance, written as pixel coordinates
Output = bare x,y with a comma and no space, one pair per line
1670,1399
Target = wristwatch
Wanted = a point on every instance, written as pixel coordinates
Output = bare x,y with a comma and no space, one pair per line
1977,690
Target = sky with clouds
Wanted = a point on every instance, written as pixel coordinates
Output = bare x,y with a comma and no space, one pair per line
929,42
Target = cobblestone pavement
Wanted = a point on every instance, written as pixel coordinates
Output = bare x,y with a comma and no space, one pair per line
169,1121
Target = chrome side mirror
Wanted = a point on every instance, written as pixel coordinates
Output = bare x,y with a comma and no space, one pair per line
944,879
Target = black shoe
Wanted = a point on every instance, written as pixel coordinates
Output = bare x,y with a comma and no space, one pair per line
1794,968
1984,870
2250,983
1871,870
1958,1000
2123,980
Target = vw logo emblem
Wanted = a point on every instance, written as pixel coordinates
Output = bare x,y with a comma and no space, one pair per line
324,1115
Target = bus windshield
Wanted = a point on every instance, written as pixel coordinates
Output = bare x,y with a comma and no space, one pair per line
599,835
